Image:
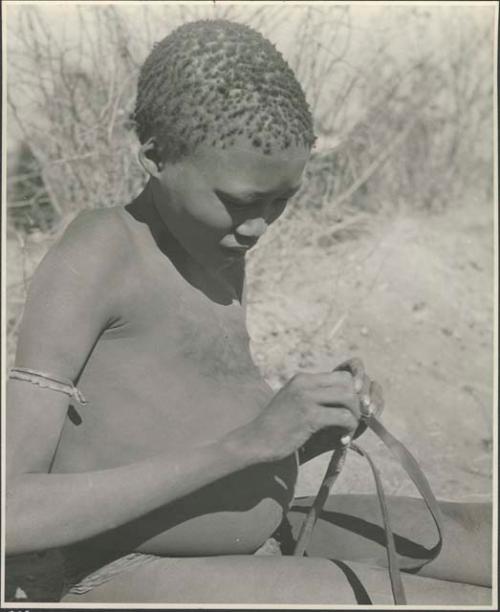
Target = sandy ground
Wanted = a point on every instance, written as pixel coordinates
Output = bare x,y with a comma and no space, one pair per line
413,297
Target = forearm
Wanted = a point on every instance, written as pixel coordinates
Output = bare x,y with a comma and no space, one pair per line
51,510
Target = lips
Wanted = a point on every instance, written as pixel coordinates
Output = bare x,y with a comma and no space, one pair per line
236,250
237,247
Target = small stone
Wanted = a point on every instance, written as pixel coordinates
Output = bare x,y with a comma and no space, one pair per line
364,331
20,594
418,306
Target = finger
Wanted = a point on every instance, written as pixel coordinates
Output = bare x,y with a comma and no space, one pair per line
328,438
345,440
357,370
372,404
328,379
323,438
364,392
374,408
332,398
333,437
376,398
326,417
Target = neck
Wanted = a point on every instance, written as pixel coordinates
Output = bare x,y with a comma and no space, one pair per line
143,209
228,280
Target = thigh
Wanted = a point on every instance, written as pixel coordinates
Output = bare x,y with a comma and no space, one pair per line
270,580
225,580
350,527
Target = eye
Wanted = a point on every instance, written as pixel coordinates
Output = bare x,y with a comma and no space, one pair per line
230,202
238,205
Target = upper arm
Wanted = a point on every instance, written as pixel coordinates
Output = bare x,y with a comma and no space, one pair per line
70,302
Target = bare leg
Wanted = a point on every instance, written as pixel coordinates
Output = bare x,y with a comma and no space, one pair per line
271,580
350,528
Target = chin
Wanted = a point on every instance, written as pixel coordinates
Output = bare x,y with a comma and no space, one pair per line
231,263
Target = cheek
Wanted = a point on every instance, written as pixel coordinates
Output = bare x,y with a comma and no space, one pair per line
209,212
199,205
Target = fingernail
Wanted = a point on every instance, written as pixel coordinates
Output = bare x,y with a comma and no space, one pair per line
345,440
365,401
368,410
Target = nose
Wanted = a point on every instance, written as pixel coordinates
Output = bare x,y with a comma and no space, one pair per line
252,228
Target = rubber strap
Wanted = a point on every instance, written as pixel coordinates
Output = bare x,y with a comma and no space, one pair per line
395,562
397,587
332,471
411,467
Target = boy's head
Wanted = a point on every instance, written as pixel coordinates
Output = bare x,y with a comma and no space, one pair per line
217,82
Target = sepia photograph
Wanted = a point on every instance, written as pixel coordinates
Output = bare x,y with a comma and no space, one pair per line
249,299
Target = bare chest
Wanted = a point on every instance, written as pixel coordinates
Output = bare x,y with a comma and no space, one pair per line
180,327
178,372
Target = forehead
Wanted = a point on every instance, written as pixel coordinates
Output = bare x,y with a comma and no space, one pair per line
241,169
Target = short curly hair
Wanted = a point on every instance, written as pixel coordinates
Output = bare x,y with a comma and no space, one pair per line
213,80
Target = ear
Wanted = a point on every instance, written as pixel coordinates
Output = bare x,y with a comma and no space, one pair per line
149,158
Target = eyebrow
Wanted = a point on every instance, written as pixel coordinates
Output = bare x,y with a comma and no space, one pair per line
250,196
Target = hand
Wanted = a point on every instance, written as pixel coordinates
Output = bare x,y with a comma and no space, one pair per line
371,401
369,391
307,404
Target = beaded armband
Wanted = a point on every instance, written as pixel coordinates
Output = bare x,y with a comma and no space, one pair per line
48,381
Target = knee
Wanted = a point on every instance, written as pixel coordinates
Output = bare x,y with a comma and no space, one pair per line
314,580
473,517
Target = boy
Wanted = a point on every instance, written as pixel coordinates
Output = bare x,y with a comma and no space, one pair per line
174,462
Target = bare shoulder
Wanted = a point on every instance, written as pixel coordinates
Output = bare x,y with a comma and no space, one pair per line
86,264
95,238
78,289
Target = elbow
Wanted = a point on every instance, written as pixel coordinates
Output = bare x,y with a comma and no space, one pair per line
17,518
13,546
